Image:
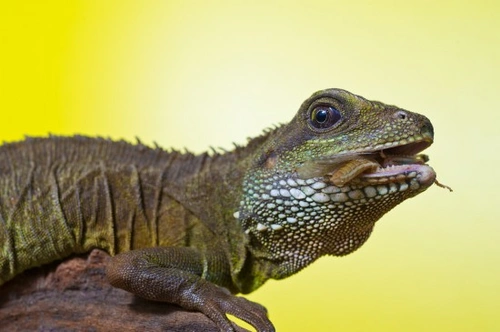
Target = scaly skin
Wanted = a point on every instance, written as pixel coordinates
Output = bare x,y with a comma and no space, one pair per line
186,228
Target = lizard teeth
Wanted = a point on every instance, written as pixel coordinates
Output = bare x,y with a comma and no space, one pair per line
395,170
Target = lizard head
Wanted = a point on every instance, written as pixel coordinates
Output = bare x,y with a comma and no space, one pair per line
321,182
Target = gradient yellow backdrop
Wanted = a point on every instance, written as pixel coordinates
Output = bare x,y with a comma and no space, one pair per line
207,73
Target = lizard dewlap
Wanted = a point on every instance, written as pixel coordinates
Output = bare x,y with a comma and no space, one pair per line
183,228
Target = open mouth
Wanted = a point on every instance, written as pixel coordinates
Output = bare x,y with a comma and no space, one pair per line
380,166
402,154
392,164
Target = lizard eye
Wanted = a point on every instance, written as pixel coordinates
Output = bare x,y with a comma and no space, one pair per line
323,117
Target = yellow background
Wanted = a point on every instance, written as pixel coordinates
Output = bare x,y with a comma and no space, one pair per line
199,74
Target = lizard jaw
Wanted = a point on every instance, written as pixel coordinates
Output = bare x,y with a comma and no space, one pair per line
425,174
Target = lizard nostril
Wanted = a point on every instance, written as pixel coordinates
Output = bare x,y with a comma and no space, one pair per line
401,115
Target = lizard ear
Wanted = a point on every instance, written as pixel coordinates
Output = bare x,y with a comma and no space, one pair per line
269,159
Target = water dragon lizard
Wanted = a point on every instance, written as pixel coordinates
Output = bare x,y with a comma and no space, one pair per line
187,228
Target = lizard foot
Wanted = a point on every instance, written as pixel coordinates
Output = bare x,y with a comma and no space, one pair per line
173,275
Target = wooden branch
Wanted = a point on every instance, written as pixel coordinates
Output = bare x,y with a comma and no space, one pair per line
74,295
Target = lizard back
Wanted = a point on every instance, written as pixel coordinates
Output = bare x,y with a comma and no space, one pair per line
65,195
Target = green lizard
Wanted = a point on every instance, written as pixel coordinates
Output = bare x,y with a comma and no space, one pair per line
187,228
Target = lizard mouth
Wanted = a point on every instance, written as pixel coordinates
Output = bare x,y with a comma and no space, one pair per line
395,164
379,165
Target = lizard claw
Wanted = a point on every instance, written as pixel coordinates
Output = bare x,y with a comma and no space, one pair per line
220,302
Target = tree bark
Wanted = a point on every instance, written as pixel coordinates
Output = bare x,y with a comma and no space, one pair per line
74,295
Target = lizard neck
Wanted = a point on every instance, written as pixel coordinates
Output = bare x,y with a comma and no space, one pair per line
292,221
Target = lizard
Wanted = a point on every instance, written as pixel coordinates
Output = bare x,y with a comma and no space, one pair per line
197,229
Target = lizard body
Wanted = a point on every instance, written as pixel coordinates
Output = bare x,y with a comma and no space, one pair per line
184,228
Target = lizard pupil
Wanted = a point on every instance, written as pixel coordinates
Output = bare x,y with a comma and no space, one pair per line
323,117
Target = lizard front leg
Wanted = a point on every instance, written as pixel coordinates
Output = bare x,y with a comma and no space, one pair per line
188,278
